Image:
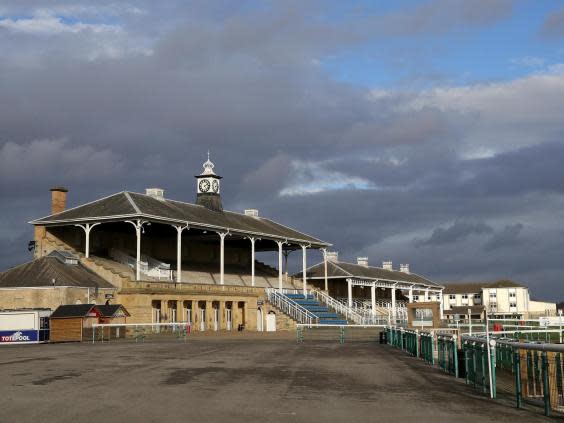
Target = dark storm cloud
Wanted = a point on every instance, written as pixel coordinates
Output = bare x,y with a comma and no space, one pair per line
138,94
507,237
553,25
458,231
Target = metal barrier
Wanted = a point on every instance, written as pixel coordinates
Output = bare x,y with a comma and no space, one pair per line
427,347
447,349
538,373
479,369
337,333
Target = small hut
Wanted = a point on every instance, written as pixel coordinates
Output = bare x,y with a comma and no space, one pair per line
73,322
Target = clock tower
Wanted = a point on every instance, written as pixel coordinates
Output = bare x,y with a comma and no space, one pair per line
207,187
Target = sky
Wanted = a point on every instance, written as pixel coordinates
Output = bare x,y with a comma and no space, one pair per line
421,132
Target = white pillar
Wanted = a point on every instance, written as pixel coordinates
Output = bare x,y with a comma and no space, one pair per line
179,230
394,304
410,295
87,228
222,236
373,298
427,295
138,225
325,265
252,260
280,243
304,267
350,292
441,307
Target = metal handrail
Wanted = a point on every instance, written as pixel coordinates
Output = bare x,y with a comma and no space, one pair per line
345,310
290,307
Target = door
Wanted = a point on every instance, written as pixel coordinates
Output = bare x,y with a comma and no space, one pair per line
229,318
202,319
271,322
259,320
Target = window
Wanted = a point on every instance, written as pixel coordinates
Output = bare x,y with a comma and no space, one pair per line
416,298
452,297
512,305
512,293
493,295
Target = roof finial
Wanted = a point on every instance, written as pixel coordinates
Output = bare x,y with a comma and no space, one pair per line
208,166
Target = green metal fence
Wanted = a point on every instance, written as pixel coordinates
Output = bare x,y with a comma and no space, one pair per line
427,347
479,369
447,349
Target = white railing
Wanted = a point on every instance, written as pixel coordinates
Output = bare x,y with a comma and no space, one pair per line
288,306
147,265
339,307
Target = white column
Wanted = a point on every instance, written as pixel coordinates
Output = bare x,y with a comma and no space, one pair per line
87,228
373,298
138,225
280,243
325,265
350,292
304,267
441,306
394,304
427,294
179,230
222,236
252,260
410,295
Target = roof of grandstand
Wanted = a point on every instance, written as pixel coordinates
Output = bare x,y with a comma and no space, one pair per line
349,270
50,271
129,205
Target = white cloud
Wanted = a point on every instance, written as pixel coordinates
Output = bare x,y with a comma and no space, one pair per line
500,116
44,23
312,178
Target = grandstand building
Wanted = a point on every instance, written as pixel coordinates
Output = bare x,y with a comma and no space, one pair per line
377,291
172,261
169,260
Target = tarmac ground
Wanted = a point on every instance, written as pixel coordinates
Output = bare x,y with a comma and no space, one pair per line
236,379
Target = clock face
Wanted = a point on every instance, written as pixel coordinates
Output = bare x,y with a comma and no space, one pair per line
204,185
215,186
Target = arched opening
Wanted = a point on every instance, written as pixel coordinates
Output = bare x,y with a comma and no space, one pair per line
187,305
172,310
202,314
156,314
260,320
228,315
215,311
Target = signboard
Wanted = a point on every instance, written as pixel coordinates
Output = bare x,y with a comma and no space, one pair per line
260,302
109,296
544,321
18,336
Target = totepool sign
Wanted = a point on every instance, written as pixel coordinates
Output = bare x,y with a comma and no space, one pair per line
18,336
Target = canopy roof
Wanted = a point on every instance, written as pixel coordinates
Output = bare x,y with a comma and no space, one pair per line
129,205
42,271
343,270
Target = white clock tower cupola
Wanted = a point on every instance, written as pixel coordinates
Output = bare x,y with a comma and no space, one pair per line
208,187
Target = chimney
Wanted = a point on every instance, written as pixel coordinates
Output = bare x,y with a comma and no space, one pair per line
58,199
252,212
362,261
404,268
333,256
387,265
157,193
